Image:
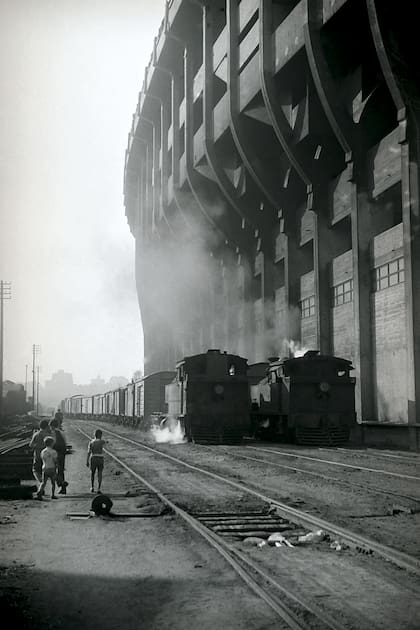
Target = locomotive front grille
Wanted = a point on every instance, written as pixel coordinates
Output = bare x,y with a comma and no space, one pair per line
323,436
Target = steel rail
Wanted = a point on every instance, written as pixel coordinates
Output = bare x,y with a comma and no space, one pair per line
226,551
326,477
409,459
330,462
371,452
399,558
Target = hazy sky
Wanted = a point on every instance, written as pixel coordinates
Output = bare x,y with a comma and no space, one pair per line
70,73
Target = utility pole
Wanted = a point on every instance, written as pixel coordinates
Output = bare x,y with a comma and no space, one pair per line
37,390
5,294
26,382
35,350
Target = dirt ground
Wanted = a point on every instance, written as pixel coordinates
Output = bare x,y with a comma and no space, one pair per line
148,573
360,592
353,507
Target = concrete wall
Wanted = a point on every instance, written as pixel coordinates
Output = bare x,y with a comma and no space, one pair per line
389,338
342,315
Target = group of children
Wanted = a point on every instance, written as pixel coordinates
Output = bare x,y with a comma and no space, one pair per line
49,448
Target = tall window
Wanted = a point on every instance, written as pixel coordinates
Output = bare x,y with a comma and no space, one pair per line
388,275
307,307
342,293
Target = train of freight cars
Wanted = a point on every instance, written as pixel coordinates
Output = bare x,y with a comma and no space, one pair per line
220,399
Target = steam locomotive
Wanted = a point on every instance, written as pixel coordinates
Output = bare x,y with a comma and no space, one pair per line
219,399
210,395
304,400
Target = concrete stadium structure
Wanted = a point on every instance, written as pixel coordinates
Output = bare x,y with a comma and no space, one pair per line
271,185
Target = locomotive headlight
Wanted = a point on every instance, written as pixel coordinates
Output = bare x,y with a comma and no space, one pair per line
324,387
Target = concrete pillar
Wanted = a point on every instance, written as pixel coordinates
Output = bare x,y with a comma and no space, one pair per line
410,155
322,260
361,235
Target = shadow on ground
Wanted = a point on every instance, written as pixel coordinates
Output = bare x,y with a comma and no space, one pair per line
31,599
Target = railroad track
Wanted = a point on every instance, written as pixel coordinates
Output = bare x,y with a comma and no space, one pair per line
333,463
300,517
294,611
409,458
319,475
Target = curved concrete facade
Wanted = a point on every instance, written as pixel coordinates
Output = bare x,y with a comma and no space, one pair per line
271,184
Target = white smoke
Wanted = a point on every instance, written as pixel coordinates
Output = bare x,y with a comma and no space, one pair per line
169,431
296,350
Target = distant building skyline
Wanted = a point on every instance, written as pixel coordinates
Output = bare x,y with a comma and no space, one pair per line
61,385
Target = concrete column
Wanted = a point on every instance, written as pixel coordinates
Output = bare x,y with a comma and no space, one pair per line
164,127
410,154
361,235
322,260
292,264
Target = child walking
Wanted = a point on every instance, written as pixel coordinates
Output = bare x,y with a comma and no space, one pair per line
49,466
95,458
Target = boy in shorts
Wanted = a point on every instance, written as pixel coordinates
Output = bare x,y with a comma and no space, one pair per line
95,458
49,466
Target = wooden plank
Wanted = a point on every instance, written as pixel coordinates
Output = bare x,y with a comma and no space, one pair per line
115,515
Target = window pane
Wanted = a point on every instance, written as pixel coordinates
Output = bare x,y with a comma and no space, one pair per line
393,266
383,283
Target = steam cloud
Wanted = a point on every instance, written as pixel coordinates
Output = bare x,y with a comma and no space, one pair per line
191,292
171,433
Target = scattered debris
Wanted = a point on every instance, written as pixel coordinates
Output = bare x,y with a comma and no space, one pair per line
278,540
132,493
336,545
312,537
6,520
253,540
398,509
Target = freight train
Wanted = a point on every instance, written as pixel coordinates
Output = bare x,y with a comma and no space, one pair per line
131,405
219,399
